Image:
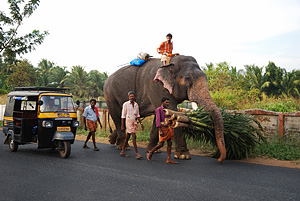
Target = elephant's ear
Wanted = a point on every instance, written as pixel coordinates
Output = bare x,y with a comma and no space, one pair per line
167,77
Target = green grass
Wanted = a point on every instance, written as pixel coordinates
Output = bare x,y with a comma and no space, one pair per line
279,148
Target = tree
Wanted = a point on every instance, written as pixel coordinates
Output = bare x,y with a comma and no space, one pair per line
288,83
11,44
96,83
218,77
57,76
45,68
24,74
255,78
77,81
273,75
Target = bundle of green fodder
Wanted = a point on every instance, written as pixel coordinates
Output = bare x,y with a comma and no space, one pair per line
241,131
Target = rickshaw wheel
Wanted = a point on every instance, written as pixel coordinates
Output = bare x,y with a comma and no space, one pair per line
66,149
13,146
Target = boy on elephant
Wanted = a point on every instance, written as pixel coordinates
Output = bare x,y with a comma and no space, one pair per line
130,112
166,133
165,49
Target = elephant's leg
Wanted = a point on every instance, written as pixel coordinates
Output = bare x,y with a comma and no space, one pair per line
117,136
153,136
181,150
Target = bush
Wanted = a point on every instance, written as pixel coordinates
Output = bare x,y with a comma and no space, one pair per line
3,92
280,104
280,148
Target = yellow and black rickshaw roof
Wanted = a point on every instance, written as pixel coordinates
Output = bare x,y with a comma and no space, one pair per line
36,91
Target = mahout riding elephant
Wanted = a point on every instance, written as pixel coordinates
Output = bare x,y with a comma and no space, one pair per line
184,80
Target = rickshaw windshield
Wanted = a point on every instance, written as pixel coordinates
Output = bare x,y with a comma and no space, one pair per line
57,104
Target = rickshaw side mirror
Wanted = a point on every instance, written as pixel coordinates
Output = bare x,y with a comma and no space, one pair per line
40,102
77,102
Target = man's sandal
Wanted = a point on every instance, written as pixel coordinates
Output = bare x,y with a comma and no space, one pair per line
139,157
124,155
171,162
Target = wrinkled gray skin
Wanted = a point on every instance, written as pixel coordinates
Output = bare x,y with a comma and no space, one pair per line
183,81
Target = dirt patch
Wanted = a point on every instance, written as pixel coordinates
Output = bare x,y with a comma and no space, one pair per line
258,160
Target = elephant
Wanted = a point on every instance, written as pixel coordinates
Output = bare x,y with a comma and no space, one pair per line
180,81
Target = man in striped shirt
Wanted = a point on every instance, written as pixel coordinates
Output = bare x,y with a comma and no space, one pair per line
165,49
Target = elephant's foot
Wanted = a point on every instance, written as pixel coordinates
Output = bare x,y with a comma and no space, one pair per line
112,138
182,155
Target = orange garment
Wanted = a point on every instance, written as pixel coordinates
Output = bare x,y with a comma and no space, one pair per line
92,125
166,48
168,134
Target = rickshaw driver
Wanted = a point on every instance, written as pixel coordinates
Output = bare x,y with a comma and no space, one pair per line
49,106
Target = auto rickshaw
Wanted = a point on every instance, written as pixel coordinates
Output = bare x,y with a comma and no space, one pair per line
41,115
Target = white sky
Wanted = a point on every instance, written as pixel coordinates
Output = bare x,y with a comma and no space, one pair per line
102,35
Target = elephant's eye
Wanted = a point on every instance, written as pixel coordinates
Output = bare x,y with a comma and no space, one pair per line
188,80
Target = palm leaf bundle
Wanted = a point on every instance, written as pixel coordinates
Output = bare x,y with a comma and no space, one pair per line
241,131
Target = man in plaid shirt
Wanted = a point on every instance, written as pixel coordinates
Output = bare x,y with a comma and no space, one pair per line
130,112
165,49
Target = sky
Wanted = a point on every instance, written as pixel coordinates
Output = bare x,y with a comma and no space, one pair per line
104,35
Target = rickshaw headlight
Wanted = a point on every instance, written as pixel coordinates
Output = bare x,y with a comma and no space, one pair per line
76,123
47,124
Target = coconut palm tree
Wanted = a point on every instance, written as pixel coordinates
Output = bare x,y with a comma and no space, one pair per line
288,84
96,83
57,76
45,68
77,81
255,78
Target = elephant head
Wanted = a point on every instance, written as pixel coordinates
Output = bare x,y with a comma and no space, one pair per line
186,81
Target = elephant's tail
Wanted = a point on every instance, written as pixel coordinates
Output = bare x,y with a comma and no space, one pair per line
110,130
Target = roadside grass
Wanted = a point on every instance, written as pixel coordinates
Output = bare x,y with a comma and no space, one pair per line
3,99
280,148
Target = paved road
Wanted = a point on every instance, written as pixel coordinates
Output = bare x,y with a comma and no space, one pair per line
31,174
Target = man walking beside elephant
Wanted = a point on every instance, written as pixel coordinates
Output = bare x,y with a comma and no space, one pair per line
166,133
130,112
165,49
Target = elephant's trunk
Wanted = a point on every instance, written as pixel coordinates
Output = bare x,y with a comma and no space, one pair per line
198,92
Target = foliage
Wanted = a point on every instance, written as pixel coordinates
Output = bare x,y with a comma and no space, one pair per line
3,91
241,132
280,104
288,84
3,99
24,74
45,68
280,148
57,76
77,81
11,44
